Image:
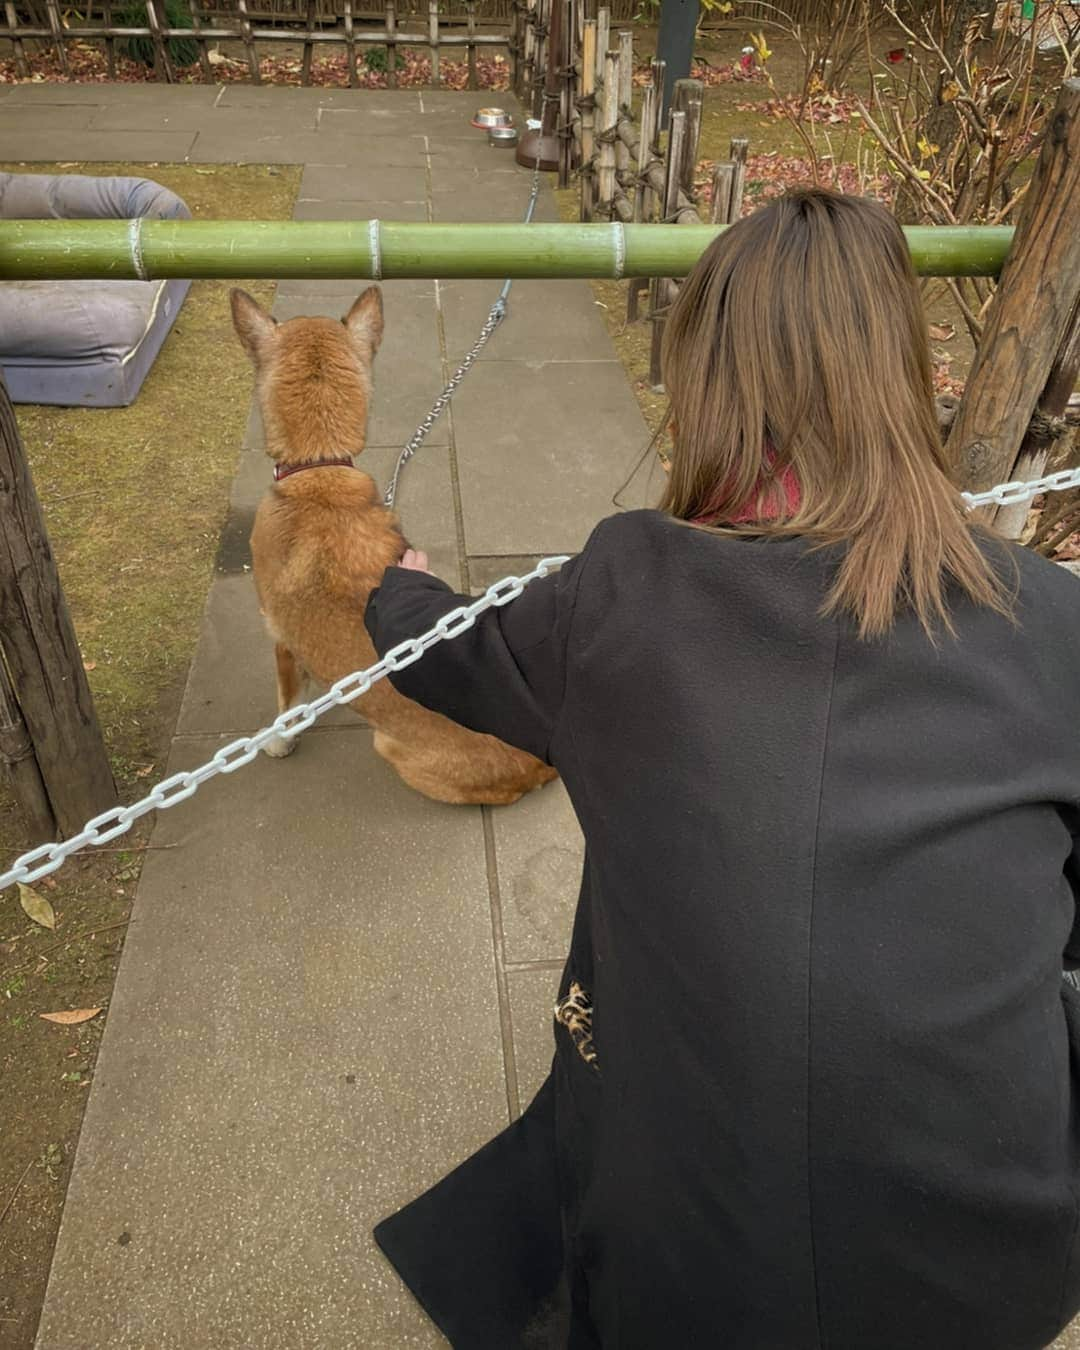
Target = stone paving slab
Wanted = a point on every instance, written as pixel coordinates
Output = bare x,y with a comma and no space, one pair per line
546,321
471,195
538,853
266,1067
537,482
138,147
362,210
282,100
247,122
146,95
15,120
395,183
225,146
532,997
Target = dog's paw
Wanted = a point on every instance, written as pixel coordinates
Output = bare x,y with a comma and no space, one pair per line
280,746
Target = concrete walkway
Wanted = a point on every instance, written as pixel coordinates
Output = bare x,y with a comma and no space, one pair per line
333,990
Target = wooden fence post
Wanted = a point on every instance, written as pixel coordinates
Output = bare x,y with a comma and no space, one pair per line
588,118
642,193
309,46
663,290
563,36
470,51
391,45
729,180
196,28
626,93
42,654
162,59
1029,319
433,40
21,68
609,121
56,28
249,41
350,45
687,99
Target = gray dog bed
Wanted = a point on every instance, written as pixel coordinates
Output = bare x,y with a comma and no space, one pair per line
84,343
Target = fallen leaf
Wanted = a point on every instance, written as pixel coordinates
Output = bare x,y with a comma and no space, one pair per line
942,332
89,665
36,907
72,1018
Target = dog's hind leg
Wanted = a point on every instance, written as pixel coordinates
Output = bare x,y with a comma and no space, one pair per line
291,683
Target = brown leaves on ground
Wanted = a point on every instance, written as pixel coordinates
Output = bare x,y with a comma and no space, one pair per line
831,109
87,65
771,174
36,907
70,1018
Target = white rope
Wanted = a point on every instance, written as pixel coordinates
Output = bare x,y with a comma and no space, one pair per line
619,241
375,246
135,248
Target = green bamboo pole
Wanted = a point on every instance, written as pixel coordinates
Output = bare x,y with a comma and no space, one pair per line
56,250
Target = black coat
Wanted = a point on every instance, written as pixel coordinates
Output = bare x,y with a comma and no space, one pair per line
829,890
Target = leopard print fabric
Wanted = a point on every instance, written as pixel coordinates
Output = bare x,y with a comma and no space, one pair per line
574,1012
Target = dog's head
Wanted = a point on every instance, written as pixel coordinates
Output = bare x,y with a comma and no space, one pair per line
312,376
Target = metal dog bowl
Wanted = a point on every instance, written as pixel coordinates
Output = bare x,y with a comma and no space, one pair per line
506,137
486,118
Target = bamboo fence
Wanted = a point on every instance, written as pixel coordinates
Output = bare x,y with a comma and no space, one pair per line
310,26
627,171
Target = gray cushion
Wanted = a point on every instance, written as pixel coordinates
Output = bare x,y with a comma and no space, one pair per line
84,343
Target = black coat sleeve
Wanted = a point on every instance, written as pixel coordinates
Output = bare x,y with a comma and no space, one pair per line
506,675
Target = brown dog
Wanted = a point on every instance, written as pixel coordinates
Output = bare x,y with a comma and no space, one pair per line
322,540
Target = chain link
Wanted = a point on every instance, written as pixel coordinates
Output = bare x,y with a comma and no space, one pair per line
495,317
46,858
1009,494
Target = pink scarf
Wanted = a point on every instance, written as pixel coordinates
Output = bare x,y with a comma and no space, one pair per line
762,508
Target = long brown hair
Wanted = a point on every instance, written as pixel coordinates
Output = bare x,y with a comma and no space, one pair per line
798,345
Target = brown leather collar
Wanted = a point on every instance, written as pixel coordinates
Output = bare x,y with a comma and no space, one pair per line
287,470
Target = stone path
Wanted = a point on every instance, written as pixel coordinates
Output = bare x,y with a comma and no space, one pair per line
333,990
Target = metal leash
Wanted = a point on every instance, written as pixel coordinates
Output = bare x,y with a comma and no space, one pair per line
46,858
1011,494
495,317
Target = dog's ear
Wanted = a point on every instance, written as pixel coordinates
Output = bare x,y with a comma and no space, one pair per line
254,327
364,322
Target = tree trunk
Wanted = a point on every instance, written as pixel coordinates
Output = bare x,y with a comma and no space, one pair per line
1026,360
41,650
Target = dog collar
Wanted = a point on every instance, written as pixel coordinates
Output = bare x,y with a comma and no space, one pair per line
287,470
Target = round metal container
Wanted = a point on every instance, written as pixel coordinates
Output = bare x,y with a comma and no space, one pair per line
503,136
486,118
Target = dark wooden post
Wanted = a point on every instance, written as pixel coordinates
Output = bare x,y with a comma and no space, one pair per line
675,46
42,654
1030,317
21,766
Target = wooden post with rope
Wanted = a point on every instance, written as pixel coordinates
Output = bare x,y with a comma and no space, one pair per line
50,740
1029,357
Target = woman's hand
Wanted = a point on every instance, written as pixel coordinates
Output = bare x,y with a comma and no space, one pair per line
415,560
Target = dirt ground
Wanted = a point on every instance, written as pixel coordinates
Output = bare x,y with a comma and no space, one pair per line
134,500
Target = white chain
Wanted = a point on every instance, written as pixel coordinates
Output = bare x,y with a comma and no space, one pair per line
46,858
1009,494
